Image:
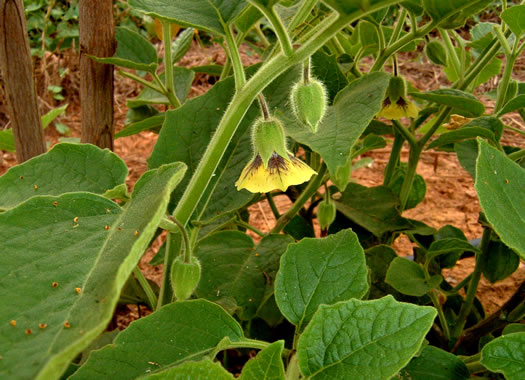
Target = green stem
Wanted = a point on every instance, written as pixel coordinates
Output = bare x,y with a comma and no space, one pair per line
150,294
515,156
302,14
235,58
475,367
451,52
399,26
441,315
172,251
292,371
168,65
502,40
254,343
187,246
248,226
473,286
507,74
273,207
260,34
242,100
141,81
405,133
278,28
393,160
310,190
380,35
410,175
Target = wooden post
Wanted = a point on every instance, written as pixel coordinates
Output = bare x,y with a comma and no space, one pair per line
17,72
97,38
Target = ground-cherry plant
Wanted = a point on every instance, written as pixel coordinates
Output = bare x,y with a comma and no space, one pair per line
342,306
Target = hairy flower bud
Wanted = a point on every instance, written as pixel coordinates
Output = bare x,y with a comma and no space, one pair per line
326,214
185,277
309,102
268,137
436,52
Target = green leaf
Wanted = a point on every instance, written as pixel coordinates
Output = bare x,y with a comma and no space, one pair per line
418,190
52,115
190,330
202,370
449,245
320,271
446,11
267,365
327,70
353,109
499,261
506,355
247,18
182,78
230,271
143,125
513,105
461,134
208,15
346,7
378,260
435,363
408,277
373,208
514,17
499,184
467,152
182,44
65,168
133,52
94,253
7,141
513,328
362,339
463,103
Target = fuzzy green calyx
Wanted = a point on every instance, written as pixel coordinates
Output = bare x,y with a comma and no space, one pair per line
396,89
268,137
309,102
436,52
185,277
326,213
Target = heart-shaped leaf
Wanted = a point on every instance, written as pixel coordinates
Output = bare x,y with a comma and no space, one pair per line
506,355
267,365
408,277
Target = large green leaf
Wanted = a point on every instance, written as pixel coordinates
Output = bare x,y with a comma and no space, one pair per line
373,208
133,52
408,277
435,364
64,261
320,271
202,370
178,332
506,355
447,11
326,68
362,339
206,15
462,103
267,365
353,109
499,184
65,168
235,271
514,17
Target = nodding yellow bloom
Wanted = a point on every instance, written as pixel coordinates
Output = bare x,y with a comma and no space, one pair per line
401,108
279,173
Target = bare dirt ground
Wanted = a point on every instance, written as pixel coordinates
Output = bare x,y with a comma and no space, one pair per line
450,199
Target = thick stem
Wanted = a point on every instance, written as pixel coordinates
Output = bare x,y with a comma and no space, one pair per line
310,190
451,52
235,58
405,133
442,319
241,102
399,26
473,286
507,74
393,160
278,28
410,175
168,65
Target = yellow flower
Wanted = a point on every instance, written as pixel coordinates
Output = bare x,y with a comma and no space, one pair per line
401,108
279,173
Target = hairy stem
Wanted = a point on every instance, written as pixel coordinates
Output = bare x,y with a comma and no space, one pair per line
168,65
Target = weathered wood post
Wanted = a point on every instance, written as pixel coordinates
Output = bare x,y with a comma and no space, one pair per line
17,73
97,38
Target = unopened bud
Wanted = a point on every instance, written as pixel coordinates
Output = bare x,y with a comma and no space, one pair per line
436,52
396,89
185,277
309,102
326,214
268,137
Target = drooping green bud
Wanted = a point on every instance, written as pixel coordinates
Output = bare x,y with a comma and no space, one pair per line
436,52
268,137
309,102
396,89
185,277
326,214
